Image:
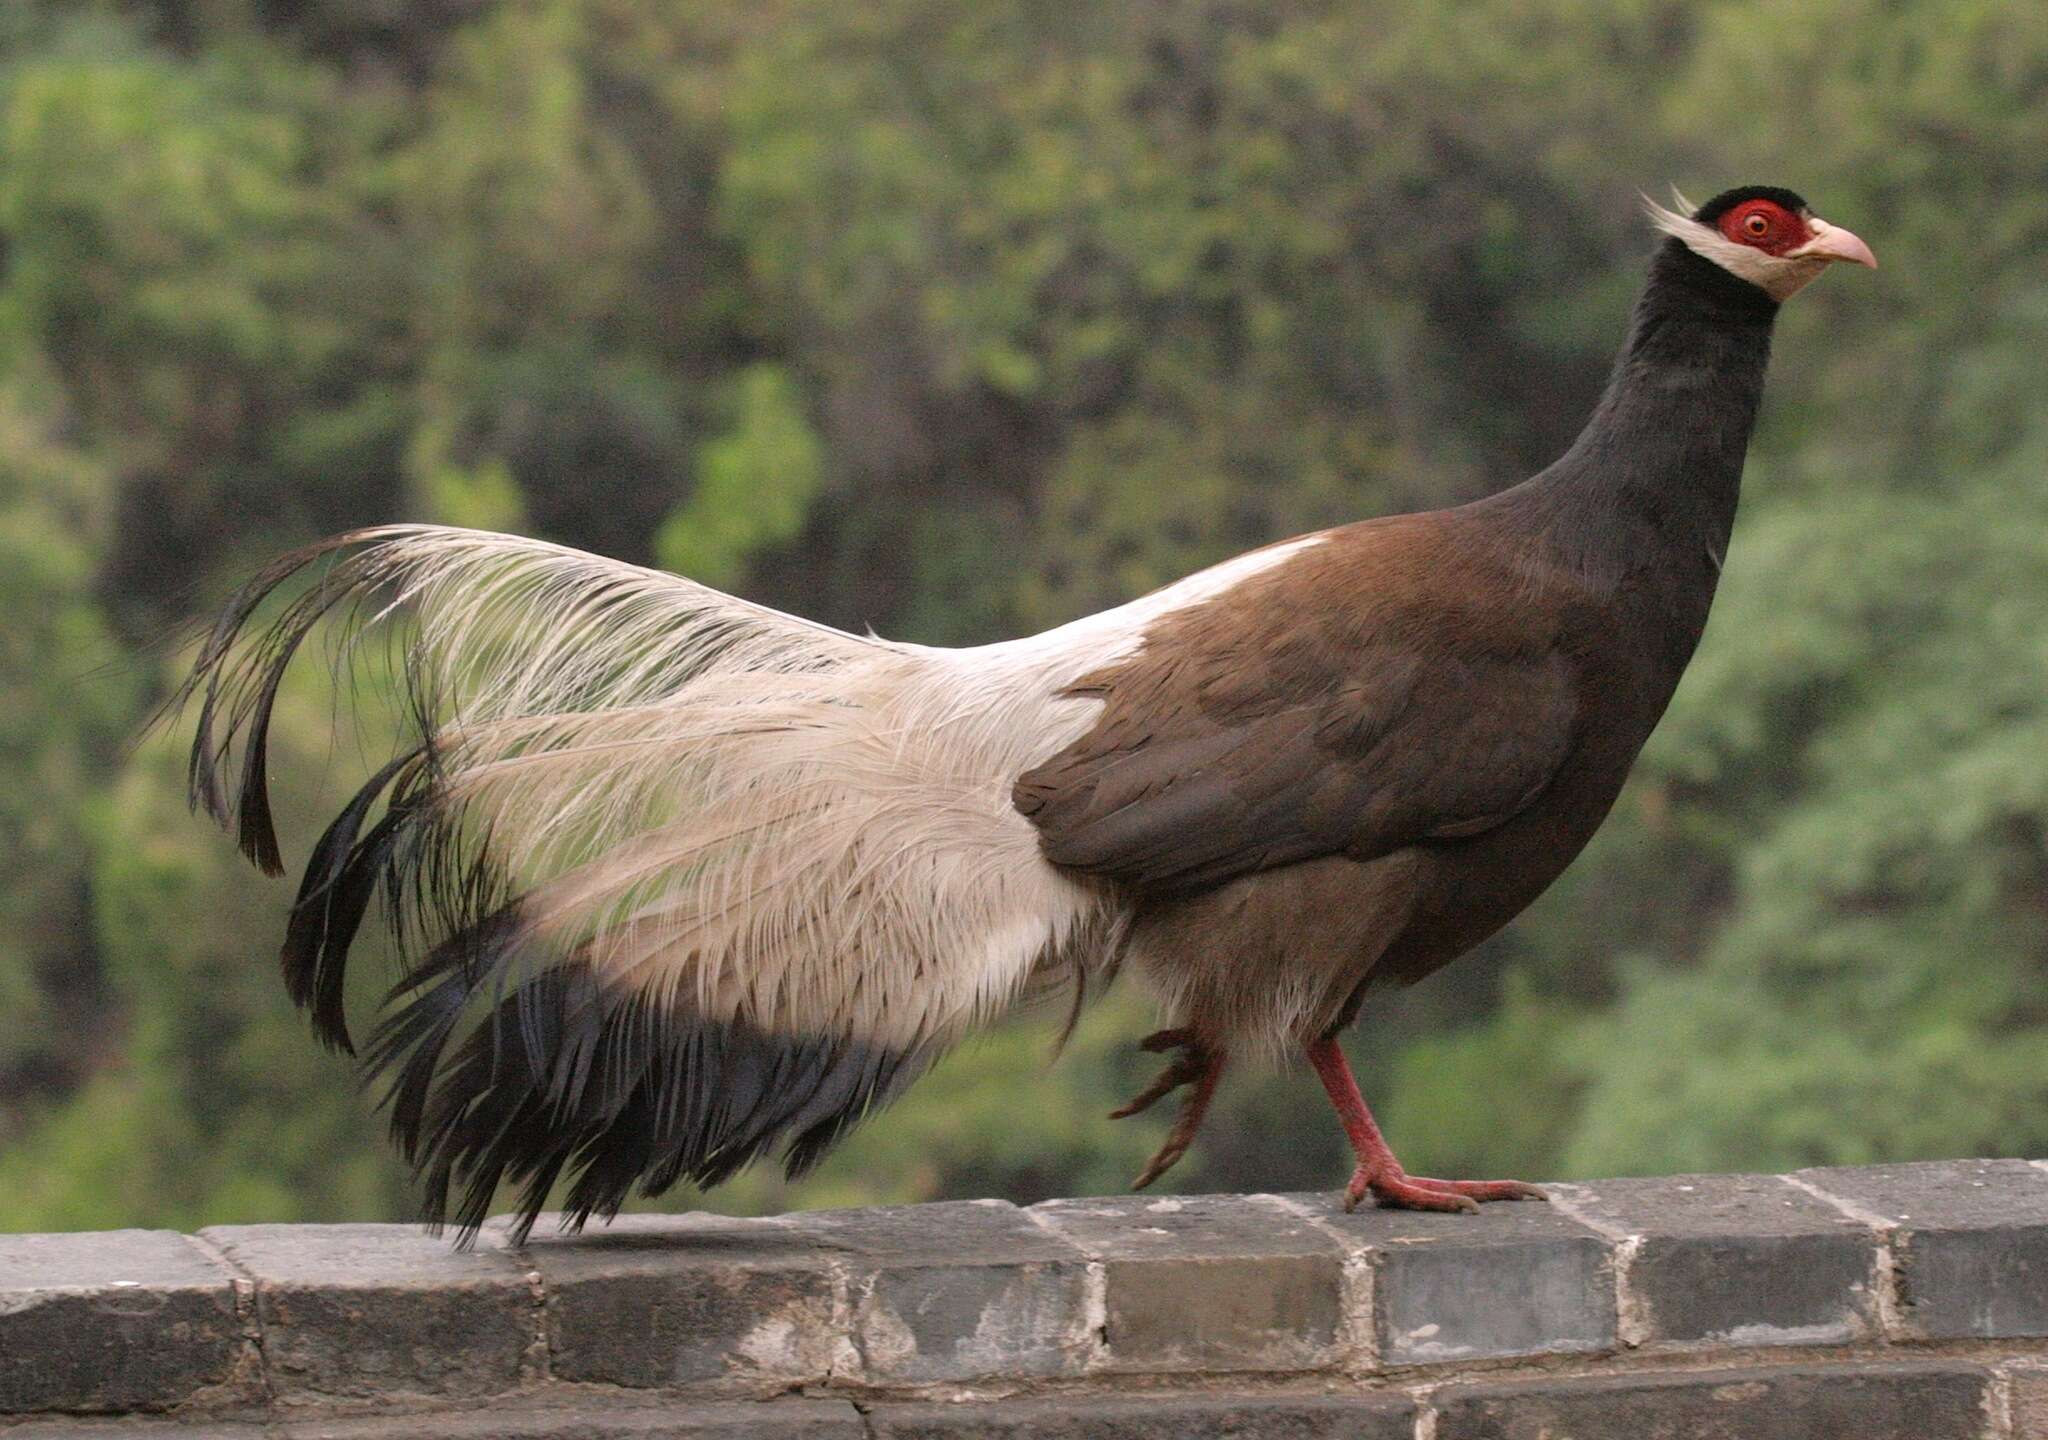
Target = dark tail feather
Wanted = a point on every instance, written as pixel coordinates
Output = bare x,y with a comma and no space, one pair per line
239,691
340,880
566,1077
856,1092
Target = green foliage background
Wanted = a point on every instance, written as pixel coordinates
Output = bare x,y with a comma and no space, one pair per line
959,320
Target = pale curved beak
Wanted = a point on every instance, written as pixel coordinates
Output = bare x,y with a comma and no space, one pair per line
1832,242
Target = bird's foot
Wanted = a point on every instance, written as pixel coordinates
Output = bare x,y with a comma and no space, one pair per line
1197,1066
1398,1190
1184,1069
1379,1174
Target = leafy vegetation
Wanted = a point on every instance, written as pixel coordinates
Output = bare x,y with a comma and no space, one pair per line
961,320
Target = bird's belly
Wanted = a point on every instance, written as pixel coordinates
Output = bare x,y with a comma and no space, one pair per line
1264,963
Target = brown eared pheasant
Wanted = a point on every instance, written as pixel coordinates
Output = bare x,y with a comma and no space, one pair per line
679,880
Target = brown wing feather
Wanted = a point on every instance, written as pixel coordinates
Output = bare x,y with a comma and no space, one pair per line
1378,690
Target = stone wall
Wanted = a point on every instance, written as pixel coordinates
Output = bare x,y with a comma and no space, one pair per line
1903,1300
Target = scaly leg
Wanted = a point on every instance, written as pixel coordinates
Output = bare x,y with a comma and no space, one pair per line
1378,1171
1197,1066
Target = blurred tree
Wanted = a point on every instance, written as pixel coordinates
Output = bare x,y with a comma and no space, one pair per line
60,731
182,255
213,1106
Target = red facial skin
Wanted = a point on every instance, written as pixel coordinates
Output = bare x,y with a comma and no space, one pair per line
1765,225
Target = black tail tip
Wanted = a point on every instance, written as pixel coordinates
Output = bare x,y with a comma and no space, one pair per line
609,1093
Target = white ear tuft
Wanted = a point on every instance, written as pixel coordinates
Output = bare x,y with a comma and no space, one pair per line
1677,222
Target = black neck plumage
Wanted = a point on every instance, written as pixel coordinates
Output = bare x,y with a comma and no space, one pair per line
1645,498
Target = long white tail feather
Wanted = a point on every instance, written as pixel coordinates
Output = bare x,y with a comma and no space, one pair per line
790,851
821,820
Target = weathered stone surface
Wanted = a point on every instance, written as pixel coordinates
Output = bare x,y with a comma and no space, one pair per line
1241,1417
2030,1401
653,1327
126,1320
1209,1282
786,1419
138,1429
664,1300
1882,1402
964,1290
1515,1279
580,1419
1970,1243
1738,1260
375,1311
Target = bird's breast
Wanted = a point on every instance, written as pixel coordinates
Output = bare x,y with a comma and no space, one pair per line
1467,889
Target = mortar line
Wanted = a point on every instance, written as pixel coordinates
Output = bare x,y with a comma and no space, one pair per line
543,1342
1361,1260
1425,1418
1631,1327
1094,1292
867,1419
248,1309
537,1366
1884,1259
845,1361
1998,1403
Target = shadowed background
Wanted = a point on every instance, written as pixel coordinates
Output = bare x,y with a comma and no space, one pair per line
960,320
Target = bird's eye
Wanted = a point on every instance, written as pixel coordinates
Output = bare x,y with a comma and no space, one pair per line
1757,225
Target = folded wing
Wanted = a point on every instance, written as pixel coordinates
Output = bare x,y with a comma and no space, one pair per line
1274,727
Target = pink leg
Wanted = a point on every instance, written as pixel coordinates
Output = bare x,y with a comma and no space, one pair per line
1378,1171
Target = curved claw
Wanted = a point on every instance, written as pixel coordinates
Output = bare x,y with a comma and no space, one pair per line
1196,1065
1175,1075
1183,1133
1185,1068
1169,1155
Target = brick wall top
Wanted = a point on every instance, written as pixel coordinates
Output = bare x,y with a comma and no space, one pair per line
1888,1300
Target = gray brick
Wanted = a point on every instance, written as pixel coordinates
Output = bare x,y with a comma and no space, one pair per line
1212,1282
376,1311
785,1419
2030,1401
1971,1241
1738,1259
1240,1417
670,1300
1880,1402
125,1320
963,1290
1515,1279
